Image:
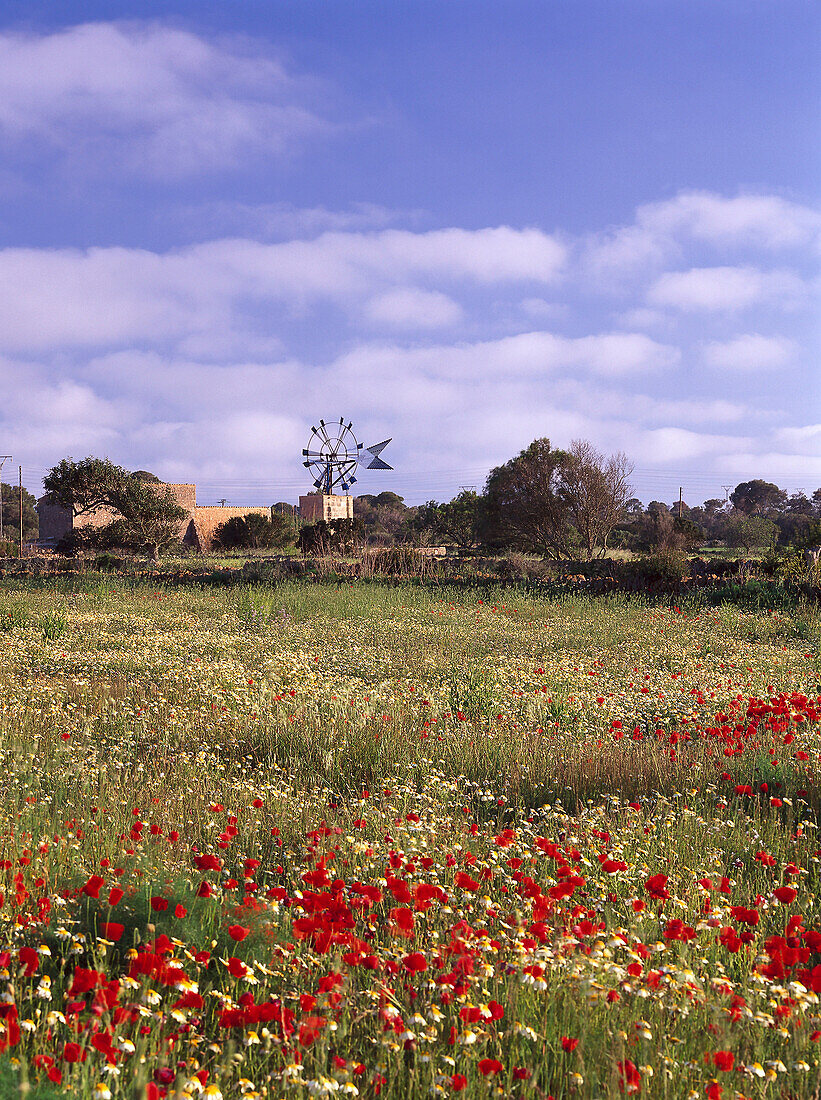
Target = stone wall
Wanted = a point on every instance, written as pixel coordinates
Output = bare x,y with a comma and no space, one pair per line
206,519
55,522
197,529
184,494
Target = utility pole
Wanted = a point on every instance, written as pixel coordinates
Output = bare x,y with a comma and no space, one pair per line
223,502
726,489
3,460
680,502
20,484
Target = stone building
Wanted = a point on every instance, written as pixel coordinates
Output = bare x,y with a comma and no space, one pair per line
196,529
327,506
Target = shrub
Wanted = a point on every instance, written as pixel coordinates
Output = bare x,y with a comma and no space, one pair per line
14,617
74,543
667,566
328,537
53,625
403,561
254,532
106,562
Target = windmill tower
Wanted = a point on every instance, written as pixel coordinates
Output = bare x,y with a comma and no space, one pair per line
332,456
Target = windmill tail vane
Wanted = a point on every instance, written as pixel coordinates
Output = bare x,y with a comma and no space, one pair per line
376,462
333,454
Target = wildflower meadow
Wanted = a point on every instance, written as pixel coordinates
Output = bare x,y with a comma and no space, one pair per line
379,840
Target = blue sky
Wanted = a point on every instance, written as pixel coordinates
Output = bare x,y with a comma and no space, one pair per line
463,224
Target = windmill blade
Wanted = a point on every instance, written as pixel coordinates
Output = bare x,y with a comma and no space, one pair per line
378,448
378,464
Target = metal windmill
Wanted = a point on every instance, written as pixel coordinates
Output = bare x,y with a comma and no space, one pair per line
333,454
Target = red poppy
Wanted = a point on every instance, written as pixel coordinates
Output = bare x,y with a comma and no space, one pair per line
238,933
569,1044
159,905
416,962
656,887
112,930
487,1066
724,1060
92,887
786,894
402,922
629,1077
464,880
744,915
458,1082
309,1029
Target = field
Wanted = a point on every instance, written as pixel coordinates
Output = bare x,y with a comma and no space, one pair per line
370,840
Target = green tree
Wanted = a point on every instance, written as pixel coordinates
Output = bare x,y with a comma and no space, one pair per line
525,505
661,527
11,513
752,533
558,504
150,517
386,519
147,518
329,536
83,486
688,532
255,532
456,522
759,498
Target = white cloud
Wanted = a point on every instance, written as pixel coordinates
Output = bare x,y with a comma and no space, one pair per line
724,288
154,99
285,220
676,444
411,308
643,318
109,296
663,231
772,466
454,410
624,252
761,221
749,351
619,353
805,440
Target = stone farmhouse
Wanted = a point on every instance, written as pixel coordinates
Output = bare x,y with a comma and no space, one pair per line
196,530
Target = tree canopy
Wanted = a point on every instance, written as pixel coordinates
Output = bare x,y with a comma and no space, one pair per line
455,522
11,513
556,503
758,497
146,517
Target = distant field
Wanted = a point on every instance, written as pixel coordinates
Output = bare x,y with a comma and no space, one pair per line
401,841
